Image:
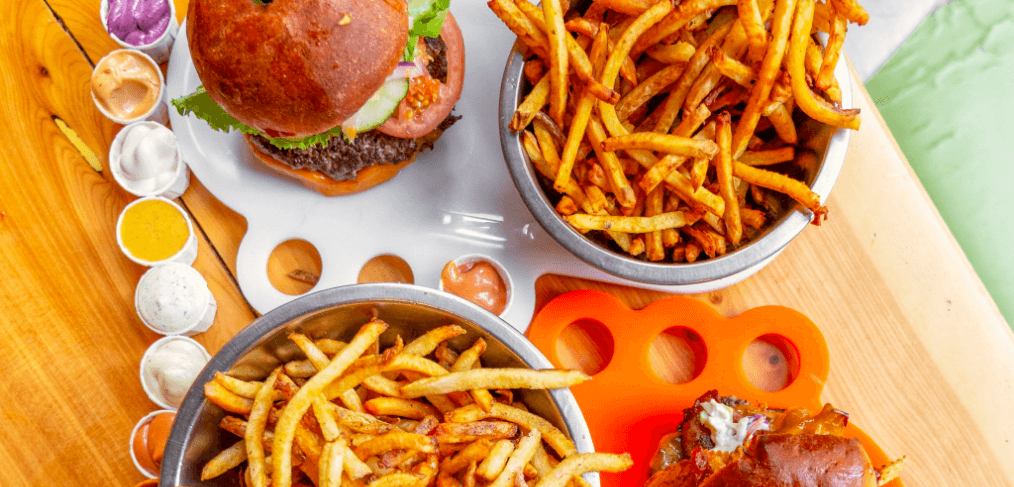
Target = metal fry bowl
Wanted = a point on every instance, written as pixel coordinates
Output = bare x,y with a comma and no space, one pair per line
338,313
827,144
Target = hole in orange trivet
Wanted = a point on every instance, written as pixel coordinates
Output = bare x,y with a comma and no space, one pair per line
771,363
678,355
585,345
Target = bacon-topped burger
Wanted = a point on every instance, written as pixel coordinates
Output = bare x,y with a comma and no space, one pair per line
339,94
725,441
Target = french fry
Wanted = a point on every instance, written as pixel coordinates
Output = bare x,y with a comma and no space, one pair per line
781,119
256,424
672,144
630,224
474,452
382,385
678,95
731,68
658,172
723,166
679,52
226,460
835,40
781,23
852,11
558,59
643,22
494,379
629,7
699,172
531,105
326,418
518,459
753,24
493,464
752,218
576,55
238,387
396,479
403,408
653,241
299,368
576,465
428,342
521,26
329,347
285,428
479,429
614,170
734,45
225,399
768,157
812,105
528,421
783,184
393,440
675,21
534,70
647,89
469,359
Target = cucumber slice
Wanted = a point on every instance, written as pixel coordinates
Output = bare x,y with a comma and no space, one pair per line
379,107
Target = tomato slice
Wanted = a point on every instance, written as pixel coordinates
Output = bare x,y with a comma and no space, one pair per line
409,127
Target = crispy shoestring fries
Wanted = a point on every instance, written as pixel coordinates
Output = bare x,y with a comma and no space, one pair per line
409,434
678,125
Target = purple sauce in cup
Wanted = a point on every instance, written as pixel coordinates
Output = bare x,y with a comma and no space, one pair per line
138,22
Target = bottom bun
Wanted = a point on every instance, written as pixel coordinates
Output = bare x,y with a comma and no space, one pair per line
366,177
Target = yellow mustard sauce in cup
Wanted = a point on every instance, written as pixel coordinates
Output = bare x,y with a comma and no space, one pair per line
153,230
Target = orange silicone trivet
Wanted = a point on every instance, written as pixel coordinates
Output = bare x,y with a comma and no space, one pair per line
628,408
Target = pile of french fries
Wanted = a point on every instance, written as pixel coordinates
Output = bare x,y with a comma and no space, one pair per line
351,414
652,119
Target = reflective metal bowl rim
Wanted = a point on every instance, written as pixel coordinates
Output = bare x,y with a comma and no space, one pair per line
261,328
733,263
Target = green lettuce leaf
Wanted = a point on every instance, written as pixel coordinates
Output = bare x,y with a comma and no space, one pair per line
425,19
200,104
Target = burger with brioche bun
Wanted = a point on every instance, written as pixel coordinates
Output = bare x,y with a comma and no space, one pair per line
725,441
337,94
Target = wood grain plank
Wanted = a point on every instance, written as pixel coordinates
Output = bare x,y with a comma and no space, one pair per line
73,342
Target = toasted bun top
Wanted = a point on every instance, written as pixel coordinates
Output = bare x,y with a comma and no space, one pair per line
289,67
778,460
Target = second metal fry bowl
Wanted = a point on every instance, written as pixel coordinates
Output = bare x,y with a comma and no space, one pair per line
338,313
828,144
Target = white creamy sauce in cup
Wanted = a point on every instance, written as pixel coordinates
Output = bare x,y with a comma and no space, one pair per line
148,157
171,369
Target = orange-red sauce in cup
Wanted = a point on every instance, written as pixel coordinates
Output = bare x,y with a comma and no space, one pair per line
149,442
477,281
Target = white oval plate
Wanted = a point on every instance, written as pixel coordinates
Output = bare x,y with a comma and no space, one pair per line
455,200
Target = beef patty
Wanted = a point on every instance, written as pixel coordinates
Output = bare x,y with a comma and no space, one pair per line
341,159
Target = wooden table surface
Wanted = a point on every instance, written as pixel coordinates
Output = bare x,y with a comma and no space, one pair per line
919,353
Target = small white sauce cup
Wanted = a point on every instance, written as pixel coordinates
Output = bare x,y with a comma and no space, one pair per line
508,282
152,389
171,190
186,255
159,49
204,319
158,113
133,433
